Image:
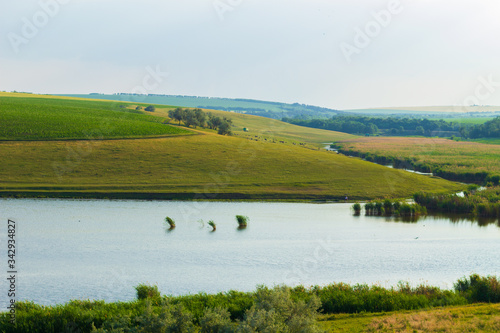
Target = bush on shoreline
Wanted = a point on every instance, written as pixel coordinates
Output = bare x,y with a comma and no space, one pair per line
479,203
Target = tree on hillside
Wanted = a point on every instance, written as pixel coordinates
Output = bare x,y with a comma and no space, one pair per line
201,117
138,108
150,108
190,118
213,121
224,128
176,114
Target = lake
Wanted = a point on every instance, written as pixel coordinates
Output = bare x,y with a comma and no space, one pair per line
100,249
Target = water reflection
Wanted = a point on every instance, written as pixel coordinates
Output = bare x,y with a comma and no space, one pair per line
454,218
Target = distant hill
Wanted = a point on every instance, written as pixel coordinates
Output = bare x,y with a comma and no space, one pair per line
266,109
452,111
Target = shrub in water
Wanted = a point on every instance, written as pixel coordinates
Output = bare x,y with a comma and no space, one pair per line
369,206
212,224
388,207
170,222
357,208
242,220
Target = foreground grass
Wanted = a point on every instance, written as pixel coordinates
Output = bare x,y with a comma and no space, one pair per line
462,161
468,318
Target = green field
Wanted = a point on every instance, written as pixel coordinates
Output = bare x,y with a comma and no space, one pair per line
491,141
34,118
457,160
469,120
273,165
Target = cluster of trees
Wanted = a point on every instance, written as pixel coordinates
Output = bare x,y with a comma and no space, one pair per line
490,129
196,117
401,126
374,125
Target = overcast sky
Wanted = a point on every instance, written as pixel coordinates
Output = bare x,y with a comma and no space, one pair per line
334,53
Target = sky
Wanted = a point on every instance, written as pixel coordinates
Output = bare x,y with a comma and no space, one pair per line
341,54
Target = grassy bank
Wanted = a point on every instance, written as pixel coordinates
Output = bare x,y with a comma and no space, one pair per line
270,160
469,162
278,309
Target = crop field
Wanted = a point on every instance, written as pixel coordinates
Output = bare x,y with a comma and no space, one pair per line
43,118
465,161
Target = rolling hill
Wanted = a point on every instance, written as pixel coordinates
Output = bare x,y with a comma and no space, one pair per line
273,160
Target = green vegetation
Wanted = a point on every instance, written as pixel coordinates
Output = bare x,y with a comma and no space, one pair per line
278,309
380,125
391,208
480,203
356,208
469,120
458,161
43,118
242,221
213,225
403,126
145,291
170,222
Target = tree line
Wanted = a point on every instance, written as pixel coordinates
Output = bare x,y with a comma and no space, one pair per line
196,117
401,126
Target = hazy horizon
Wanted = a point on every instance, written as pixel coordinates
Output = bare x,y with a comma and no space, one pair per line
339,55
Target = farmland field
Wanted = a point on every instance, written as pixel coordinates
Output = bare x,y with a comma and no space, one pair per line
465,161
469,120
273,165
33,118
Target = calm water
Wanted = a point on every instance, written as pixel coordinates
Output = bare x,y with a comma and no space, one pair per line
86,249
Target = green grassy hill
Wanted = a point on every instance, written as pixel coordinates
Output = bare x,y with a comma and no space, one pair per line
43,118
273,165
